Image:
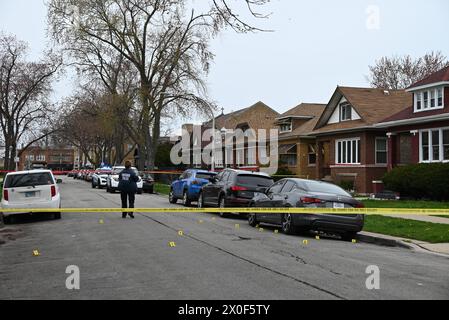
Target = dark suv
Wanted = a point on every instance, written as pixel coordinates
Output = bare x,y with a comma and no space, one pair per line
233,189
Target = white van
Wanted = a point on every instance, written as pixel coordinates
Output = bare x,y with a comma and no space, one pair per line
35,189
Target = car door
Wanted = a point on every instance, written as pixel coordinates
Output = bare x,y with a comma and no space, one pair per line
209,190
273,195
218,187
178,184
281,199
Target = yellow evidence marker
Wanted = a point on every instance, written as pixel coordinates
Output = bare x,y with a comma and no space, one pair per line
101,221
261,230
305,242
180,233
172,244
276,231
36,253
317,238
237,226
354,241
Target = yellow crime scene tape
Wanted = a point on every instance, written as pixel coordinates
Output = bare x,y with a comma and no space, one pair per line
359,211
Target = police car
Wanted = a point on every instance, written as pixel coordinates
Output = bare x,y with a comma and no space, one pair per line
113,180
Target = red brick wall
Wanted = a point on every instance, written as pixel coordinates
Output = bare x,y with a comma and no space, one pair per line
365,173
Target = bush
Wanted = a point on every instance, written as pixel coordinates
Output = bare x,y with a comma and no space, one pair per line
421,181
347,185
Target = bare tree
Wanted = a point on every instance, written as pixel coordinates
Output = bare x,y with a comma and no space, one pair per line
401,72
165,41
24,88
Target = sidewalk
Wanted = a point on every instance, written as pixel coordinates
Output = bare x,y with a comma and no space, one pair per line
421,246
431,219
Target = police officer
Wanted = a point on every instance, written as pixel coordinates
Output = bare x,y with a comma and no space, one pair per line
128,187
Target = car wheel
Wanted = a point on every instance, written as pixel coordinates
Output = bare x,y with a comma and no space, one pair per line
140,191
222,205
57,215
185,199
172,198
287,224
252,220
93,185
348,236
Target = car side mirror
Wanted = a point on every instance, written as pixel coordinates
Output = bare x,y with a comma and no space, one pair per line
58,181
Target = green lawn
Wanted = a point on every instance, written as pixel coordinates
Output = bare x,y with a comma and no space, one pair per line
411,229
406,204
162,189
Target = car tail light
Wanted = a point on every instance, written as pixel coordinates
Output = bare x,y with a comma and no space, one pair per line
308,200
360,206
6,195
237,188
53,191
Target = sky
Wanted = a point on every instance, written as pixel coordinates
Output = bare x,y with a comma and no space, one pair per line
315,46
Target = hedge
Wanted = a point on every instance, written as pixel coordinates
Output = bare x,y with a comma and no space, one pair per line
421,181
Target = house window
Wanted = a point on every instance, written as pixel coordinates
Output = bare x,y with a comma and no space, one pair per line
425,146
418,97
440,97
286,127
345,112
381,150
446,145
434,145
432,99
426,99
312,154
40,157
429,99
348,151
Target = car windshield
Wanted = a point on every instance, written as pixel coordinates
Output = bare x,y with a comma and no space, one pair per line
323,187
29,180
205,176
254,180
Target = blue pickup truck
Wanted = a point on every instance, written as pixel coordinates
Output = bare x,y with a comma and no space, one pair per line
187,188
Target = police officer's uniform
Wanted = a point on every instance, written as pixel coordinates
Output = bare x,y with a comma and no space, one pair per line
128,187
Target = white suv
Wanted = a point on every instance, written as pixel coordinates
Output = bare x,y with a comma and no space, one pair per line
25,190
113,180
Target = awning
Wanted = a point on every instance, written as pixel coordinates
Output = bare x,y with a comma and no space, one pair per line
288,149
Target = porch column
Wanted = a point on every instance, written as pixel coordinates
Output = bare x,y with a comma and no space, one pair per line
392,145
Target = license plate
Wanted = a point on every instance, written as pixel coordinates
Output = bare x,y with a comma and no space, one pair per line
30,194
338,205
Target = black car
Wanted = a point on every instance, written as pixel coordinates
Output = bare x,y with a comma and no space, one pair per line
148,182
298,193
233,189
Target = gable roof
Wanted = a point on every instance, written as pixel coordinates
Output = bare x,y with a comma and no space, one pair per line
257,116
439,76
310,112
372,104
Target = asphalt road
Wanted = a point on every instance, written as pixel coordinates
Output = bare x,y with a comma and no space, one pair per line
131,259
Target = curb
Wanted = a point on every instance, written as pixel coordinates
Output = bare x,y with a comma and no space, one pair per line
383,241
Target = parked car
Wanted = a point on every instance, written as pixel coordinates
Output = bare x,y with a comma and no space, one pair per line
113,180
89,175
72,174
100,178
31,190
298,193
188,186
148,182
233,189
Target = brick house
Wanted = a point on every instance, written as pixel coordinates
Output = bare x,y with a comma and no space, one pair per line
54,158
420,133
297,147
257,116
350,148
